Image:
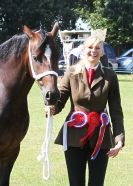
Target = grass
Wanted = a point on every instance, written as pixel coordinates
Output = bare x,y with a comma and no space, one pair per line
27,170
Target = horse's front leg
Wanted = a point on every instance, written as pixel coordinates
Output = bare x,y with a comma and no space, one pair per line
6,165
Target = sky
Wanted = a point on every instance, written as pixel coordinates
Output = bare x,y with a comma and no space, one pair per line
82,25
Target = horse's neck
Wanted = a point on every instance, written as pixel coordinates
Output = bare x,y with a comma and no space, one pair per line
14,79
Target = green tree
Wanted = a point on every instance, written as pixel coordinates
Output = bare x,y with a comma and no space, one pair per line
15,13
116,16
120,21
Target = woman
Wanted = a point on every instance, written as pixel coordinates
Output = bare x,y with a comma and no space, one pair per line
82,129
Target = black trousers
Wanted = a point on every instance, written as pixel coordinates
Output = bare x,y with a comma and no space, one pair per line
76,161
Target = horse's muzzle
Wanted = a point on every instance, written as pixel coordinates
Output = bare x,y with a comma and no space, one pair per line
51,97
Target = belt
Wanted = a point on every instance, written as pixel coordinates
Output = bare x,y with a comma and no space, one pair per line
79,119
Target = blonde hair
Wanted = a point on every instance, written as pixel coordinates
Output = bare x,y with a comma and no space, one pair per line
94,40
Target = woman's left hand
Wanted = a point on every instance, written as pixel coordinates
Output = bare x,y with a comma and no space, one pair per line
114,151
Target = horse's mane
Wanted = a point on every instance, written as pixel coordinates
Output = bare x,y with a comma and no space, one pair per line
14,45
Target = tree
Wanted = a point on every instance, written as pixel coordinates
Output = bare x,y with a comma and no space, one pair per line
15,13
116,16
120,21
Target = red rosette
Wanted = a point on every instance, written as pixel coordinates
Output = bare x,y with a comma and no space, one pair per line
93,119
78,119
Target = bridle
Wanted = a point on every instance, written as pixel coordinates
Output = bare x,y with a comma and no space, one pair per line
44,154
39,76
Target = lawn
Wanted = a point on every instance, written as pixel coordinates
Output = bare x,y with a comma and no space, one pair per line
27,170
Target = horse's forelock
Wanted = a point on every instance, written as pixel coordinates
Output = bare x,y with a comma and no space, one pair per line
54,49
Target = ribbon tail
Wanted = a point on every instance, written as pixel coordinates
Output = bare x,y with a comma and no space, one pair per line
99,142
88,135
71,123
65,137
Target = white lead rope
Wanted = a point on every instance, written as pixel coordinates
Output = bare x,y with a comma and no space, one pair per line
44,154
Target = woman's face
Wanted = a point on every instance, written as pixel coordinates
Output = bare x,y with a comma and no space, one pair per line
93,52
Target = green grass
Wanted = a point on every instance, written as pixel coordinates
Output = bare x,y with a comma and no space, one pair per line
27,170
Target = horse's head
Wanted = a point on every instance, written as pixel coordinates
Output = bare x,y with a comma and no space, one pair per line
43,61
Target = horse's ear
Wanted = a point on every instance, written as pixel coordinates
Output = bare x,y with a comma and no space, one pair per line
28,31
55,29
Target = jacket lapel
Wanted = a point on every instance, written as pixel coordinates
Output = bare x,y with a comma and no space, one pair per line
98,76
83,77
81,72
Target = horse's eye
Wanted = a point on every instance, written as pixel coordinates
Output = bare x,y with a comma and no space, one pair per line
34,57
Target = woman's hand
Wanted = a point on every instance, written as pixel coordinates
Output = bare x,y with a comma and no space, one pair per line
50,109
114,151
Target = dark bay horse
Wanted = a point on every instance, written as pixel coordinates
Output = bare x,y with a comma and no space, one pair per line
23,59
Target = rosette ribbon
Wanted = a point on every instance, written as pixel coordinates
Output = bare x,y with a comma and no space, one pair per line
78,119
94,122
104,122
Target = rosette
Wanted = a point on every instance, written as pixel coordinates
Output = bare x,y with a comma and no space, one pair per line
78,119
105,121
93,121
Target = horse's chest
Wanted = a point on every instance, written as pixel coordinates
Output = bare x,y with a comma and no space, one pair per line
11,103
3,96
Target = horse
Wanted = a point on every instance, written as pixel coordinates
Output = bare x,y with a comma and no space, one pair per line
25,58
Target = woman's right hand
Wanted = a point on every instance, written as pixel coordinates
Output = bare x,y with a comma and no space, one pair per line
50,109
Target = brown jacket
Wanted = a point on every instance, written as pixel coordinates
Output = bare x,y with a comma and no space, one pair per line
104,90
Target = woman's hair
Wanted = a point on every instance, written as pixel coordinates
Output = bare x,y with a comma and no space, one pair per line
93,40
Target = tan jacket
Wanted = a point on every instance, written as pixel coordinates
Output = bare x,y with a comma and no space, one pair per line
104,89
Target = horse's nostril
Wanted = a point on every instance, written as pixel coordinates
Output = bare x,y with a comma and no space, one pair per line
52,97
48,96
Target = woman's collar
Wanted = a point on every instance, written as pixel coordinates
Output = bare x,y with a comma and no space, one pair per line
88,65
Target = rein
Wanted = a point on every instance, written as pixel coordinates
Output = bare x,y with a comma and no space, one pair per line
39,76
44,154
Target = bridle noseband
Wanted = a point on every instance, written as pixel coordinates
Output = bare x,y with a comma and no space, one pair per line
39,76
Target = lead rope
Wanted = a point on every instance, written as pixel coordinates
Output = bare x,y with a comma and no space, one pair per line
44,154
